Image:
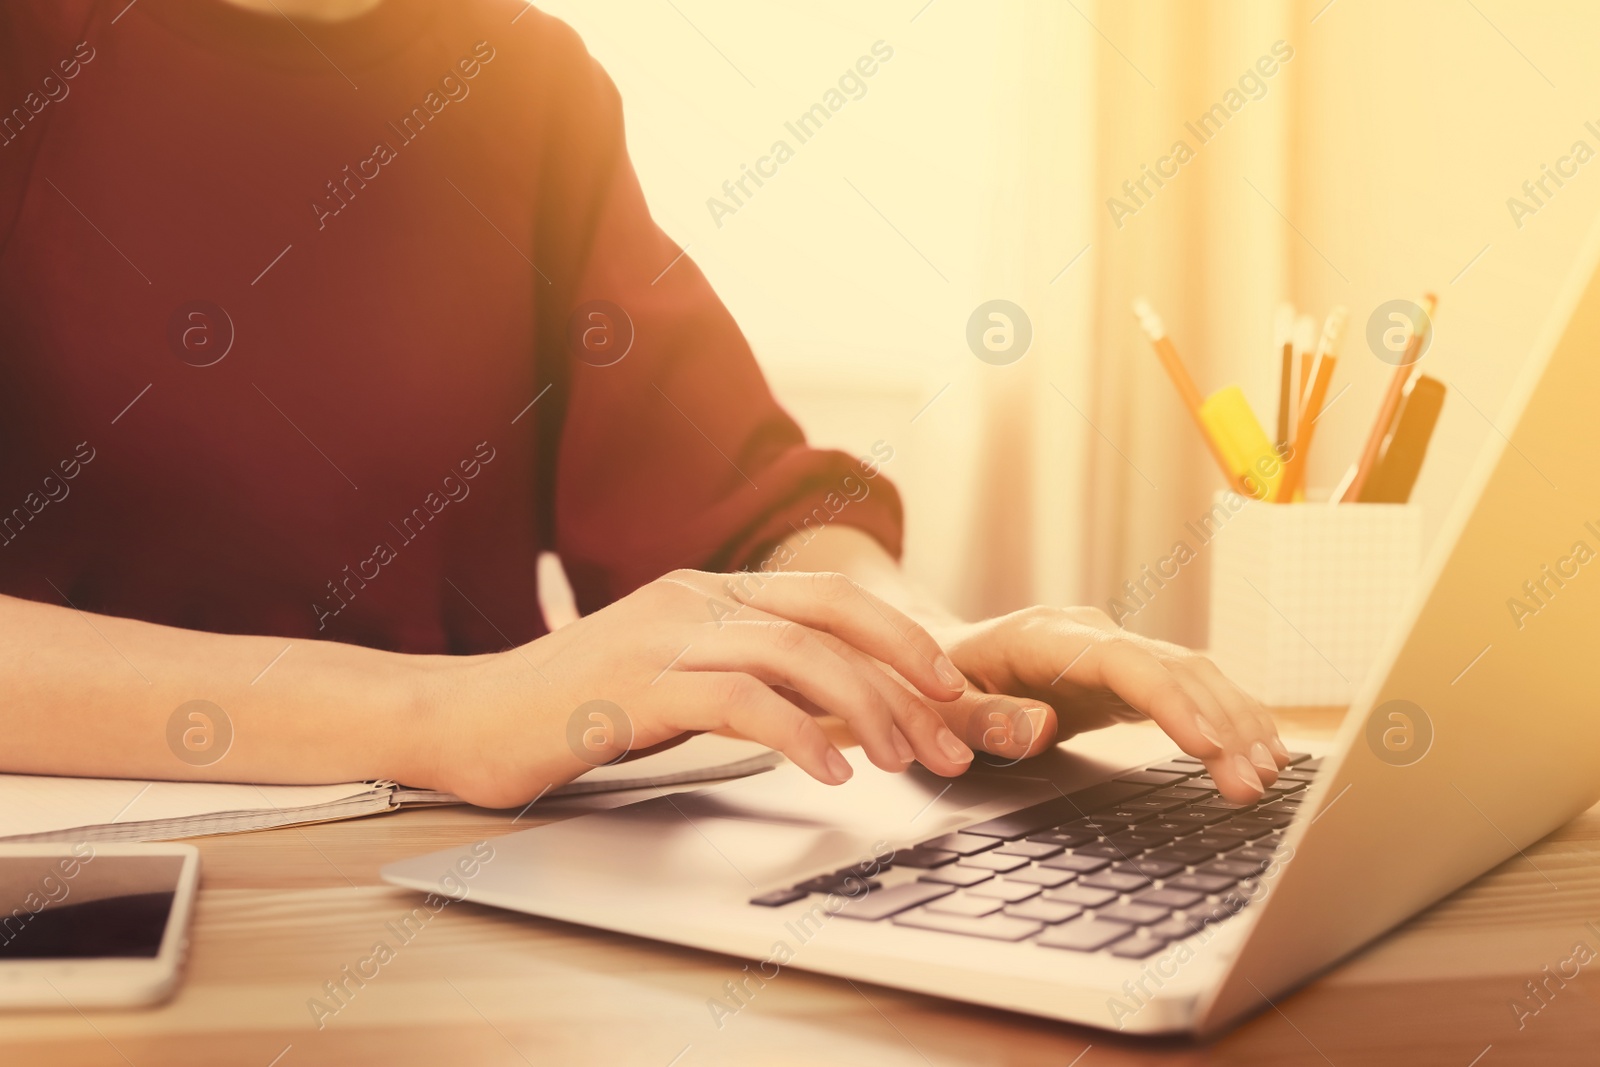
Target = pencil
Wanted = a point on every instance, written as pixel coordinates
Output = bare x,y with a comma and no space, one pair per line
1305,335
1283,347
1153,328
1326,360
1391,402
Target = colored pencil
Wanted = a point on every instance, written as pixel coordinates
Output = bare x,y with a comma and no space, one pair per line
1153,329
1283,349
1326,358
1391,402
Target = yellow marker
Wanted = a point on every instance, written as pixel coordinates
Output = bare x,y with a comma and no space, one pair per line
1249,453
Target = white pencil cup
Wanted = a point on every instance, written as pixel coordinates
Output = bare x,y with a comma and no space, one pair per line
1303,596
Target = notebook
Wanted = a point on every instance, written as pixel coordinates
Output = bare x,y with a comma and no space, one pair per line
38,808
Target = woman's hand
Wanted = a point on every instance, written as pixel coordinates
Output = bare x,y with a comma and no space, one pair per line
1073,669
692,652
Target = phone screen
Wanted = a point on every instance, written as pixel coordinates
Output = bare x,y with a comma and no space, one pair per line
85,906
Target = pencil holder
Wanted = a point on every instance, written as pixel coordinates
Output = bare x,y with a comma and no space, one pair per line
1303,596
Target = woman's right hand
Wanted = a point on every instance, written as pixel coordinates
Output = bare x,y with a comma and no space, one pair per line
691,652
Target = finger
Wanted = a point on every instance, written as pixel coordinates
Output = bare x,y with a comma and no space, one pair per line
1140,678
1243,704
1255,726
918,724
781,652
1010,728
837,605
1240,732
709,700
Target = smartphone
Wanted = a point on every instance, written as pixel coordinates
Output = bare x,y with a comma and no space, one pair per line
93,925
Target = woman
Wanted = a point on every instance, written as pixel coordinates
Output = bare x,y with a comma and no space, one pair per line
320,320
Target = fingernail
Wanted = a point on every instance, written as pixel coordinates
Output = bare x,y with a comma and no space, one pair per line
1248,773
1206,730
1263,759
1279,752
952,746
948,674
902,747
1021,728
838,766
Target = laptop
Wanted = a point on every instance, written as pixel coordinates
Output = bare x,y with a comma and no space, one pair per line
1106,883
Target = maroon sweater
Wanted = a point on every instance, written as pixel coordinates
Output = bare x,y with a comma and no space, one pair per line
329,330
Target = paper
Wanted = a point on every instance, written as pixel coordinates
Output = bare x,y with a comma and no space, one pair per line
37,808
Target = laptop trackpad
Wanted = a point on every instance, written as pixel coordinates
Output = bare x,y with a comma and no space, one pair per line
748,836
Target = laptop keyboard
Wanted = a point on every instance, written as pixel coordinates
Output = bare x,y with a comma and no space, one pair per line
1122,867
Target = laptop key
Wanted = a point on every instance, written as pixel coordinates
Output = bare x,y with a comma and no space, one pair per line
1155,804
1106,850
1150,868
779,897
1120,881
1217,803
1201,883
1097,825
1054,812
1261,857
1123,815
1071,861
1082,896
1295,774
1034,850
1138,841
1084,935
1169,898
1041,876
963,904
995,927
1133,914
1184,757
846,882
1007,892
1179,792
1232,868
1138,946
882,903
1302,758
1174,767
1233,900
1070,839
993,861
1044,911
1218,840
1267,820
961,876
869,868
923,858
1197,816
1177,927
962,844
1150,777
1184,854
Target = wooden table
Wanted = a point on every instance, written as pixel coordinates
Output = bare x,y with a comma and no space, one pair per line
281,912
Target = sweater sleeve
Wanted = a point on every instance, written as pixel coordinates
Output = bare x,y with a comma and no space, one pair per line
668,449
